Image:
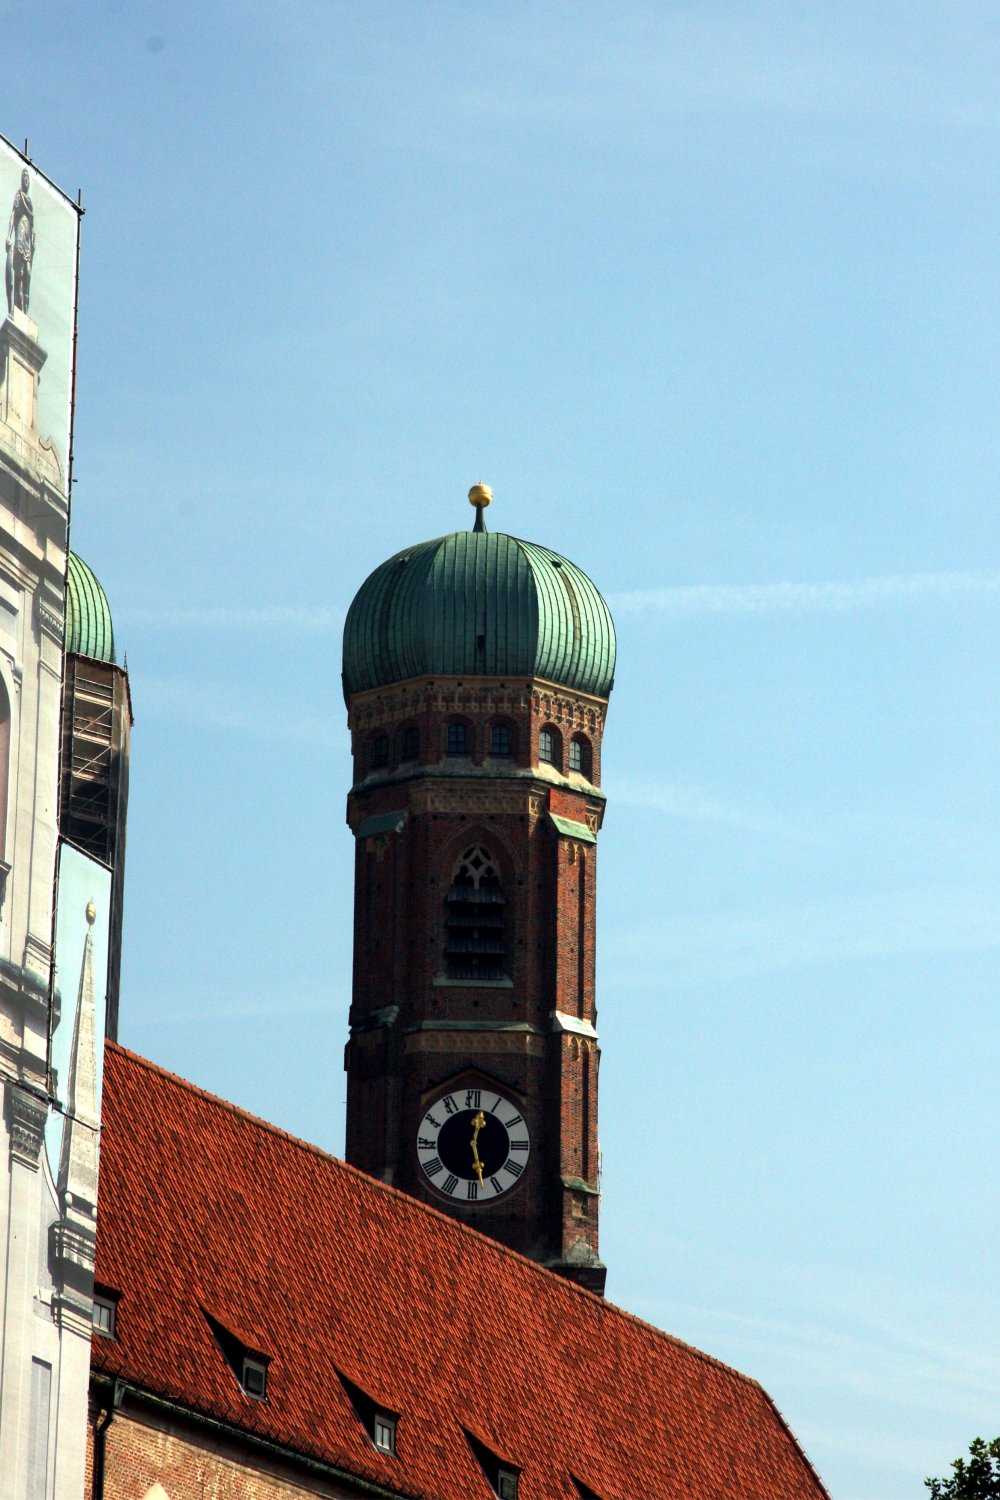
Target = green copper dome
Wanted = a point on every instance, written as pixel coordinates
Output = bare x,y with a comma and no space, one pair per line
479,603
88,630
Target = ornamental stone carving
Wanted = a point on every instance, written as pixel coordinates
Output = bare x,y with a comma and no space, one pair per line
26,1116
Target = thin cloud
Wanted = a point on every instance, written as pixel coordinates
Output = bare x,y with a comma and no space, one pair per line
893,591
218,707
752,942
153,1013
890,591
865,1360
292,617
692,802
872,1338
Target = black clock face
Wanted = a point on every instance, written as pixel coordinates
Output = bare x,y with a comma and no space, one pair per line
473,1145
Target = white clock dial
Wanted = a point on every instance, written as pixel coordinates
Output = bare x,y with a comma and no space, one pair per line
473,1145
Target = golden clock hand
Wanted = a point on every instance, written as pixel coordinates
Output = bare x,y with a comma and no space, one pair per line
477,1124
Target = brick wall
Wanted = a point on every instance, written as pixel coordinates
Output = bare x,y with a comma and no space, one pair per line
403,1002
142,1452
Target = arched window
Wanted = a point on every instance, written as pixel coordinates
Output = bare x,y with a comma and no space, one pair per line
410,743
501,740
380,751
474,918
579,755
550,746
457,742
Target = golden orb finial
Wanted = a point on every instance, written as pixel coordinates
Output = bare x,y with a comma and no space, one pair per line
480,496
91,913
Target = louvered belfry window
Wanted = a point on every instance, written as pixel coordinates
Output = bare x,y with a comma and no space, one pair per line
475,918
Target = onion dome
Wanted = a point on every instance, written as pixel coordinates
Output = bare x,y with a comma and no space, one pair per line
88,629
479,603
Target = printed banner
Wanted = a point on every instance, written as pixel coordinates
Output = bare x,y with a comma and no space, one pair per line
41,228
76,1048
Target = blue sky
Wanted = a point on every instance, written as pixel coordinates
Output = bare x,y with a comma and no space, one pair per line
708,293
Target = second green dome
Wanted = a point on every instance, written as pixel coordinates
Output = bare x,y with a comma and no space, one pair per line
88,629
478,603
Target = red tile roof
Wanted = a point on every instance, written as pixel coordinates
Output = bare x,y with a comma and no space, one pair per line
325,1269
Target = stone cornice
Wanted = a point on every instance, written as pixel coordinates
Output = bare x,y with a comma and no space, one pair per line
24,986
469,797
518,781
36,469
50,612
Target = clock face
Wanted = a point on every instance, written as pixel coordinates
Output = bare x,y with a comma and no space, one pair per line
472,1145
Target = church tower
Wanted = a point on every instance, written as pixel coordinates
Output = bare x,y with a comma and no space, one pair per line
477,670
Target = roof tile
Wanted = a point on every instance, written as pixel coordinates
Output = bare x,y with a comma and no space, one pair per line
326,1268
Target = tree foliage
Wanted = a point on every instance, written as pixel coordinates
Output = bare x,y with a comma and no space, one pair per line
975,1478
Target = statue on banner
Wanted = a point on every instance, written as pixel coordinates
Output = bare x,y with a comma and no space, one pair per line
20,248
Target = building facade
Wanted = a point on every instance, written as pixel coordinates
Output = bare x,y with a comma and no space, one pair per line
47,1202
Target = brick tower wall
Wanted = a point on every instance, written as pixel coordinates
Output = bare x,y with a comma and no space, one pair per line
532,1032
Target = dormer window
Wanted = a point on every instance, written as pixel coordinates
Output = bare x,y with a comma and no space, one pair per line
585,1492
502,1476
254,1380
379,1423
249,1365
384,1432
105,1313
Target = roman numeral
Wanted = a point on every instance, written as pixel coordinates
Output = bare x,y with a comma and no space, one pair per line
449,1104
495,1185
425,1143
434,1166
515,1168
430,1120
473,1192
517,1120
519,1145
472,1098
450,1183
